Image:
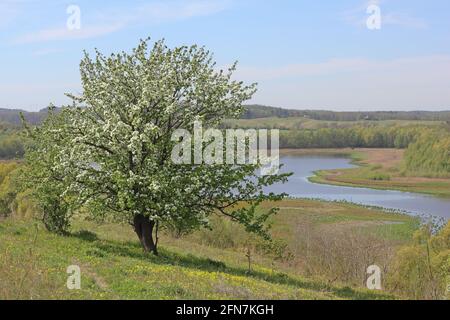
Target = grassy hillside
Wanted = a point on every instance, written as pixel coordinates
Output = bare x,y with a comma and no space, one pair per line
207,264
255,115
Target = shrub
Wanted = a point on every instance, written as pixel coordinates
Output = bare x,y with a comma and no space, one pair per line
223,234
339,254
378,176
8,187
421,270
429,155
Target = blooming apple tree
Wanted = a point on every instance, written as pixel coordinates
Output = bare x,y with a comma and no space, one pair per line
113,145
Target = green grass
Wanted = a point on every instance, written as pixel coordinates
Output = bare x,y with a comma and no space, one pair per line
33,262
113,269
335,213
372,177
376,176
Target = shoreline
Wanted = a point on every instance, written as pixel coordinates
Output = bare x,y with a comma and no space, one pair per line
376,169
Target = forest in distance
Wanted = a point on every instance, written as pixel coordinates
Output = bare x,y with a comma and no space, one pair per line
424,135
12,116
261,111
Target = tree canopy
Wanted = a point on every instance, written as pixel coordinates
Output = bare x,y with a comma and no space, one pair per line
110,151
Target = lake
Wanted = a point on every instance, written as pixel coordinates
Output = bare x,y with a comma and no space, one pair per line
303,167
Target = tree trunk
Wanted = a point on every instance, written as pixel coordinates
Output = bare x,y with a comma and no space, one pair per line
143,227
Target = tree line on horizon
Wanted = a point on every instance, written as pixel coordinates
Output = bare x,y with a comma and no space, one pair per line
12,116
357,136
427,147
260,111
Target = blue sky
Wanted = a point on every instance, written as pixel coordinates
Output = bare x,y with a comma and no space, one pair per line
303,54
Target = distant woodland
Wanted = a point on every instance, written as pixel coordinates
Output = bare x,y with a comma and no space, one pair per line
424,134
259,111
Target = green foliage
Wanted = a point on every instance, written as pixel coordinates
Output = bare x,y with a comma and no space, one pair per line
428,146
11,142
42,179
111,150
14,200
8,186
354,137
222,233
259,111
182,226
12,117
378,176
56,215
430,154
421,270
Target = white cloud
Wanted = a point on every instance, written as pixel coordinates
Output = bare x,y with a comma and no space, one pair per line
47,51
116,19
35,96
169,11
358,17
9,11
337,84
355,84
303,70
65,34
403,20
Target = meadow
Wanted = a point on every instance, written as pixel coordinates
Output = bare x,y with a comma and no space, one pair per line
304,261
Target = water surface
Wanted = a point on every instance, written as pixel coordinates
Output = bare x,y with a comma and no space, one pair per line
304,166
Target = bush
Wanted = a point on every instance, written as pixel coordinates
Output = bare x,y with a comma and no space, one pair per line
11,146
223,234
56,216
422,270
339,254
429,155
378,176
8,187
